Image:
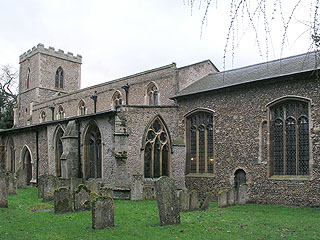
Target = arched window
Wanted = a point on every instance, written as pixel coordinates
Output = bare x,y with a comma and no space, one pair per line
116,99
93,151
27,163
60,114
289,138
152,94
28,79
81,108
58,150
156,150
11,163
59,78
200,144
42,116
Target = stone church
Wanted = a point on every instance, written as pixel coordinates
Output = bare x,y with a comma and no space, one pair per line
208,130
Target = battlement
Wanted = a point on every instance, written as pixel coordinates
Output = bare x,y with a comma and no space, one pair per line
51,52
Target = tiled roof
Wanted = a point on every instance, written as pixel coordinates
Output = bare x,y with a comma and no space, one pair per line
258,72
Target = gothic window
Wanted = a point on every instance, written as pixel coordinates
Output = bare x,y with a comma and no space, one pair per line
59,78
116,99
152,94
81,108
289,138
200,142
11,164
156,150
60,112
93,150
42,116
28,79
58,150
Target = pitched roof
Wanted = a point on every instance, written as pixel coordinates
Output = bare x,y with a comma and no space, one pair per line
258,72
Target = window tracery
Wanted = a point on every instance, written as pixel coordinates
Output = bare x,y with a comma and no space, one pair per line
59,78
153,95
60,112
81,108
117,99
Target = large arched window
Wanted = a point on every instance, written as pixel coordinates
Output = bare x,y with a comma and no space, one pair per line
152,94
289,138
156,150
11,163
58,150
59,78
199,136
81,108
27,164
93,152
117,99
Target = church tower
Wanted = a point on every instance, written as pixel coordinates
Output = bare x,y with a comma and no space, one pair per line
45,73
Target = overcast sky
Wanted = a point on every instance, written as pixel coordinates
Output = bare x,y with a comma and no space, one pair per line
120,38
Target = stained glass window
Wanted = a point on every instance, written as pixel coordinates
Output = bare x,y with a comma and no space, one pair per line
156,151
289,138
200,143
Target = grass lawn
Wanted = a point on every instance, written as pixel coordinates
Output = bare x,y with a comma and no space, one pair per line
28,218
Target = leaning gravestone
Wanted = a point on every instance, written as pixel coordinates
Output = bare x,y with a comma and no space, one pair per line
82,199
62,200
223,198
3,189
137,187
21,176
194,201
102,212
231,197
12,185
242,195
207,201
49,186
166,195
184,200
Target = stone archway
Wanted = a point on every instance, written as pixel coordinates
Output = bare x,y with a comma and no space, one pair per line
239,178
27,165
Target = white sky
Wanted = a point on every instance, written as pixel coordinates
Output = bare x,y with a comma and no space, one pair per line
120,38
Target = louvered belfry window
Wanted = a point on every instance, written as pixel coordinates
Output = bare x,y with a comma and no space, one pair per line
289,138
200,143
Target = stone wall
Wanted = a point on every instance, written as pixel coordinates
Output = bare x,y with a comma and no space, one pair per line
239,112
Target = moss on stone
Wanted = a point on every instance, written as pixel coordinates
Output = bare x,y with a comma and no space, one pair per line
178,142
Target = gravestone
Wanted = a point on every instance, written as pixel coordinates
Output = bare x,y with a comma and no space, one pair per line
137,187
168,206
231,197
12,184
106,191
148,192
21,176
194,201
102,212
41,182
4,181
243,195
62,200
223,198
94,185
82,198
207,201
184,197
49,186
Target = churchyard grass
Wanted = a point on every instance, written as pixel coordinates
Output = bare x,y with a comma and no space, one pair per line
29,218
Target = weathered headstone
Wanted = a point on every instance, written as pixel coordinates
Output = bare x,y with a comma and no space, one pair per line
207,201
184,197
4,189
62,200
106,191
223,198
12,184
102,212
82,198
94,185
166,195
21,176
243,195
194,201
137,187
231,197
49,186
148,192
41,182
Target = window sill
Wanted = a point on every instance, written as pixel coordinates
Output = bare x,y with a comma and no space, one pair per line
203,175
290,177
